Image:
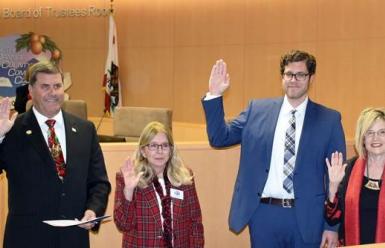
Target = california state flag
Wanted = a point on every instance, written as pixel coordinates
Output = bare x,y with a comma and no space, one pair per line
111,82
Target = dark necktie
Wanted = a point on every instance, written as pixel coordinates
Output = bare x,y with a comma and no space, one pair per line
166,208
289,154
55,149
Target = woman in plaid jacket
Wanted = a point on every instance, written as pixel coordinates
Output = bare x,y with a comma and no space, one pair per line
156,204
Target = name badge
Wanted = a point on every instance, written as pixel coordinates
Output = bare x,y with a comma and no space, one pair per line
175,193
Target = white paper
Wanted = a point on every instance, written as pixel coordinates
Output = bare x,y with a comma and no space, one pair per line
66,223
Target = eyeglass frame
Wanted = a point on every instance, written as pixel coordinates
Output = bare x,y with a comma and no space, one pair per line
154,147
289,76
371,134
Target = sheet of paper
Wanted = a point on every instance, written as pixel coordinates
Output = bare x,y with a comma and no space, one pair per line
66,223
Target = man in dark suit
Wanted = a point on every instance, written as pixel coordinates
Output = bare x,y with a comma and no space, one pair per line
53,172
22,96
280,191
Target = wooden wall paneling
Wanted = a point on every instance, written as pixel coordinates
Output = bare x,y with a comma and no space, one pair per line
205,23
262,73
86,81
333,76
11,26
192,71
148,77
343,20
145,23
368,67
280,21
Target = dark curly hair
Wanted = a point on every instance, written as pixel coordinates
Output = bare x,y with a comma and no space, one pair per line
297,56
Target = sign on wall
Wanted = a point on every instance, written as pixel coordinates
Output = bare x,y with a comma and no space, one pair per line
17,52
47,11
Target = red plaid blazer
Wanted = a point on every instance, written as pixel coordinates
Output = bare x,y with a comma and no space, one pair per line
140,221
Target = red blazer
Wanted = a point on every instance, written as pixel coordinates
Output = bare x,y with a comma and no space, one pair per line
140,220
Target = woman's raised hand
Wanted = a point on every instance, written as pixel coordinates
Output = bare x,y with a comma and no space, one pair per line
131,179
336,171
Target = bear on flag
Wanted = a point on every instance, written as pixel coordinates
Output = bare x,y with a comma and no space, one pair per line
111,82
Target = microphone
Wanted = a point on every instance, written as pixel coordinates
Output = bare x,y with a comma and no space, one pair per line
100,121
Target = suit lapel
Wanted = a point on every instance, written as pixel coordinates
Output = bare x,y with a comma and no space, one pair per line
32,132
149,195
72,138
271,123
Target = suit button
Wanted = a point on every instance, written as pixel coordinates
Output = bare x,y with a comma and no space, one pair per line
63,194
267,170
259,194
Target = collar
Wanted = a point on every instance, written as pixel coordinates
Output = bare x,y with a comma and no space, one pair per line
287,108
41,118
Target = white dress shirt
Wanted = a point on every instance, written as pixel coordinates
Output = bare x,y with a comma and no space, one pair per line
274,185
59,129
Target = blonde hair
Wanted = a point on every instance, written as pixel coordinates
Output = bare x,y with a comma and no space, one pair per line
366,119
177,172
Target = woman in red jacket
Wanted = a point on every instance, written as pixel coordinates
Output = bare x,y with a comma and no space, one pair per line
156,204
356,189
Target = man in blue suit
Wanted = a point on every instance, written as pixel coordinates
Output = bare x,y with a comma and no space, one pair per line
280,188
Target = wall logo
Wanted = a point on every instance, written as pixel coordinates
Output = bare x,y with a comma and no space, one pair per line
17,52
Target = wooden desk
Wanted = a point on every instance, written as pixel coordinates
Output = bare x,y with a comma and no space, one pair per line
382,245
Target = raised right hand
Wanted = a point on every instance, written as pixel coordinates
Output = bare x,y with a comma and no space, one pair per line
336,171
219,79
131,180
6,123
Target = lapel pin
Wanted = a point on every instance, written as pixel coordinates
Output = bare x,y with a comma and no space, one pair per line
74,130
28,132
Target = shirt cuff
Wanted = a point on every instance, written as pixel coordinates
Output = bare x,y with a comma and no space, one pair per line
209,96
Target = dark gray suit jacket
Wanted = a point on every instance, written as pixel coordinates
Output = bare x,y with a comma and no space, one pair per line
35,193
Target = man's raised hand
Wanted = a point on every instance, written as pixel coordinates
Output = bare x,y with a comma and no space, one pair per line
6,122
219,79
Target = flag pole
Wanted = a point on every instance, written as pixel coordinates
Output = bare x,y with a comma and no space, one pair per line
106,113
111,83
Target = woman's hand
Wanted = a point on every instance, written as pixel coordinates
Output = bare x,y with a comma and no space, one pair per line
131,179
336,171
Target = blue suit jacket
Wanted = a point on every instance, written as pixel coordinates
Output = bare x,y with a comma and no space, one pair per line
254,129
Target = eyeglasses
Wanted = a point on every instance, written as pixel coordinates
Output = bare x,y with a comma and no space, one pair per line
371,133
165,147
298,76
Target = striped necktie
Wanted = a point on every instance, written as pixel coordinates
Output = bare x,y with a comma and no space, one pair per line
289,154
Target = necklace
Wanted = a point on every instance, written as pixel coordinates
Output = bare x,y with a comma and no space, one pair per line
371,184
